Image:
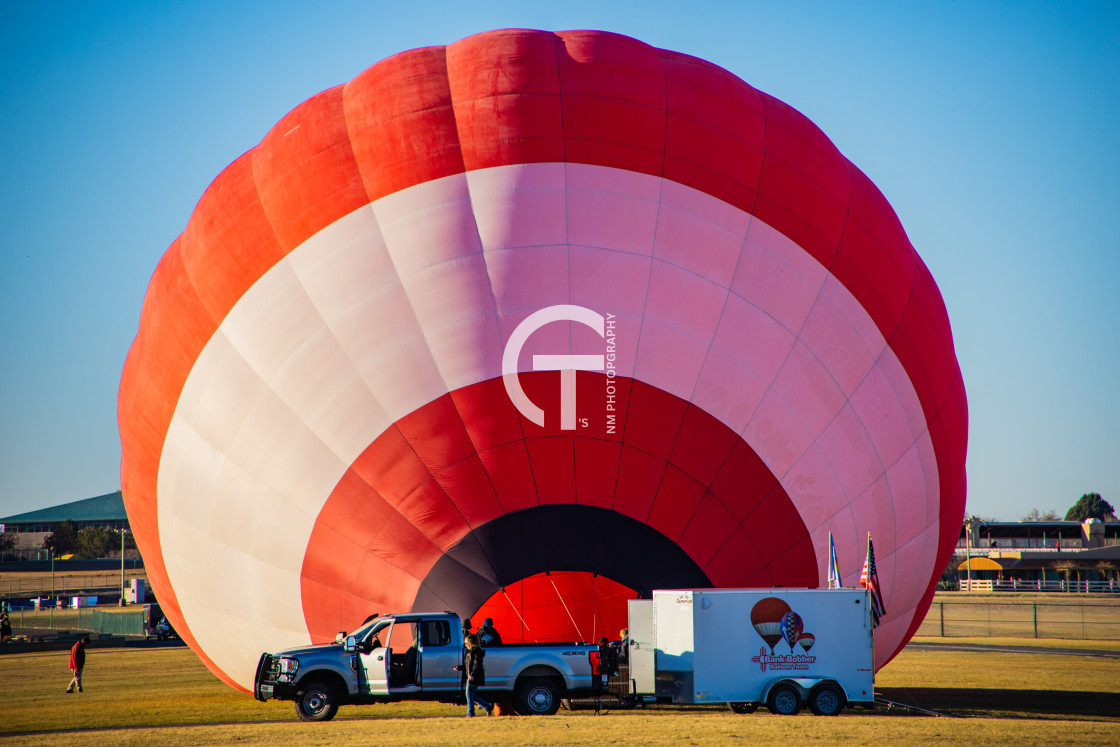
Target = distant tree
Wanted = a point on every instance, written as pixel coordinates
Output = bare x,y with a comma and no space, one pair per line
7,541
1048,515
950,578
96,542
1066,568
63,540
1108,568
1091,506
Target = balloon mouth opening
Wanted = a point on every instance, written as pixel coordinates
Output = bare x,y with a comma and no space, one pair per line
558,606
566,559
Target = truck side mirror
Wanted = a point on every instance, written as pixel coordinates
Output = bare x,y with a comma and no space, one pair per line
351,644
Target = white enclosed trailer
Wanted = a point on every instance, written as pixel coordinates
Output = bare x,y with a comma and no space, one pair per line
783,648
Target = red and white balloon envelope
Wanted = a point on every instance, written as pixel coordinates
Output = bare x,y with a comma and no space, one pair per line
523,326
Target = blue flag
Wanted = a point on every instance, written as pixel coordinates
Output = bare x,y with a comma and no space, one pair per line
833,566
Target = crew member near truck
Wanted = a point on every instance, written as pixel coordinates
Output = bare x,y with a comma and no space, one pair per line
608,662
488,635
475,672
622,645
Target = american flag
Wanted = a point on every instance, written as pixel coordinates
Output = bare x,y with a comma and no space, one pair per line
869,580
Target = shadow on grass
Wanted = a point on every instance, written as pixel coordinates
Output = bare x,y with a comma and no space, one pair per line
982,701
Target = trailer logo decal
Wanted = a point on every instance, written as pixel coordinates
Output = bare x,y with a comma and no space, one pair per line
773,620
782,661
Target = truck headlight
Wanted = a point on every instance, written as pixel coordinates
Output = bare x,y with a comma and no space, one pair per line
288,669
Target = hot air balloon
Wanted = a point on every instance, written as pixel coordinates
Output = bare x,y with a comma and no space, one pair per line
532,323
791,627
767,616
806,640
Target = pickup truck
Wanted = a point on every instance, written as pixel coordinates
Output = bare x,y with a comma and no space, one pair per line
417,656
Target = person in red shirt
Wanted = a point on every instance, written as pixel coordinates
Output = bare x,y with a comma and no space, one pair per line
78,663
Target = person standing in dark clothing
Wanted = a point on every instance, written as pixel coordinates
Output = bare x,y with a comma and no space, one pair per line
78,663
475,671
488,634
608,661
623,645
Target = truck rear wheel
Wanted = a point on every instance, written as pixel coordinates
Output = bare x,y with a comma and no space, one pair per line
784,700
538,696
826,699
317,701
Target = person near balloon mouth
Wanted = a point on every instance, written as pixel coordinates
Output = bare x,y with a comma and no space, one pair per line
608,662
78,663
622,645
488,634
475,671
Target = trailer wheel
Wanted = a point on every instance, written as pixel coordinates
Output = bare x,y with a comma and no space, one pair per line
317,701
826,699
538,696
784,700
743,707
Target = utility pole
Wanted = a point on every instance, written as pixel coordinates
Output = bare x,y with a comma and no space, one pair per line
968,555
122,566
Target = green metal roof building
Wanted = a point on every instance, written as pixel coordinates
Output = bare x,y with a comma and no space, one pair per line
101,511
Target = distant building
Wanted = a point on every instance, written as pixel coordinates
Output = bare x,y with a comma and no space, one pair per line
1043,555
32,527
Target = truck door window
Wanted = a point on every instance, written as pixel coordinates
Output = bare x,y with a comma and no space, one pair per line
435,633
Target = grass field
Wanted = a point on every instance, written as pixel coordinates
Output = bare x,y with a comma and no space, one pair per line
1049,615
25,585
165,695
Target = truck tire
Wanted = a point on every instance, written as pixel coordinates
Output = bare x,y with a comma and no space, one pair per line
742,708
826,699
537,696
784,700
317,701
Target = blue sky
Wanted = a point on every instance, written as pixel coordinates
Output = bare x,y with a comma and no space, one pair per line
992,128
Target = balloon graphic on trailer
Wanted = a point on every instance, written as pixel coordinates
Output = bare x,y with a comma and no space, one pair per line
526,325
791,627
806,641
767,616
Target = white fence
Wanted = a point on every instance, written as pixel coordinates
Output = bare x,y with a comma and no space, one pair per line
1109,586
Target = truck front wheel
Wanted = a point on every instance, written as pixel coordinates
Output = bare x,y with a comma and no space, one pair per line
538,696
317,701
784,700
826,699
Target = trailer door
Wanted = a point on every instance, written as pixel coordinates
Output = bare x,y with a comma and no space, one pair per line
642,652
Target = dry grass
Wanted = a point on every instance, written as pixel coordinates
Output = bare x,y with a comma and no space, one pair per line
165,695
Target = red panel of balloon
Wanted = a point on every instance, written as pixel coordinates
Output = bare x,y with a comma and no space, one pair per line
557,606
